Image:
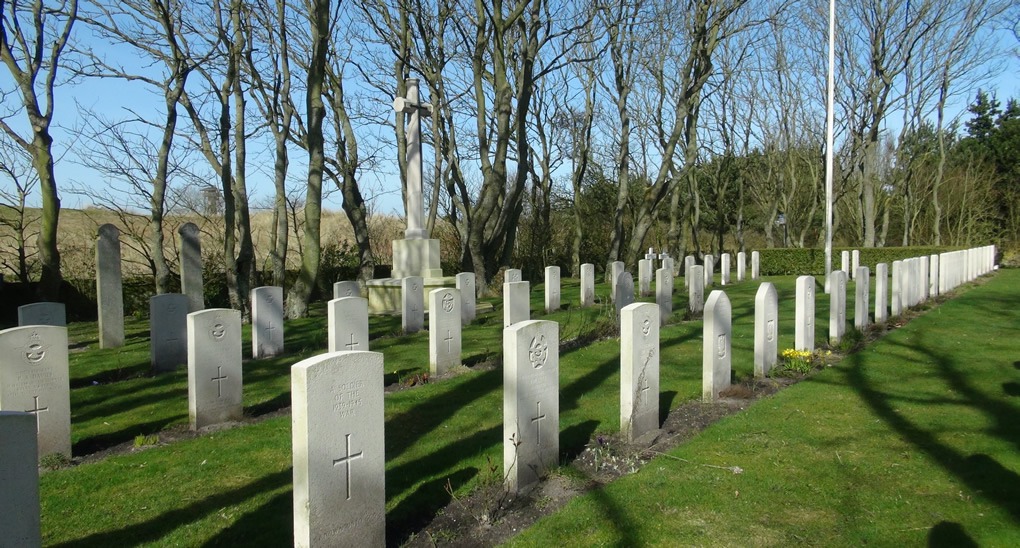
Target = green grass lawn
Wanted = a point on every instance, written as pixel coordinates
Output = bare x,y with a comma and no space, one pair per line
234,486
912,440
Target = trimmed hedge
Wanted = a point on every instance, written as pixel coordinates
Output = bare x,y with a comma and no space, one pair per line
803,261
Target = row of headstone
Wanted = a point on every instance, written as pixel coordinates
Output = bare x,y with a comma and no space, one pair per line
959,267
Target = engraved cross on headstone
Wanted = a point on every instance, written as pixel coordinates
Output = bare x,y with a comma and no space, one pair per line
218,379
36,412
537,420
414,205
449,340
346,461
353,344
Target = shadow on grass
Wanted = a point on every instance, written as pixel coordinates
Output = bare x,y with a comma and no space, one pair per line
159,526
417,509
101,442
948,534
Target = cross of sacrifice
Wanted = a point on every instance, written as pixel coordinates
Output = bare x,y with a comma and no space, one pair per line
218,379
538,422
414,205
346,461
36,412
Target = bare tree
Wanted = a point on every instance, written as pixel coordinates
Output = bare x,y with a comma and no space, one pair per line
32,40
17,220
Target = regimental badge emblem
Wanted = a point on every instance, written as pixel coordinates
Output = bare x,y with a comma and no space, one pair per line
448,302
538,352
34,349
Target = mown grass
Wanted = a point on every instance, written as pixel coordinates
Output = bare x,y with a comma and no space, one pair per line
234,486
913,440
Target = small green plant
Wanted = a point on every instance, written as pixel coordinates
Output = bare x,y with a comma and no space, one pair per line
142,440
54,461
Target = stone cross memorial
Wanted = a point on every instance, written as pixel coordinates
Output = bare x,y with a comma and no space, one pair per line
516,302
716,346
881,292
639,369
266,321
696,290
861,297
531,402
724,269
412,317
347,288
804,315
34,379
587,284
168,331
552,289
214,367
766,329
645,277
624,291
664,293
43,313
347,324
466,286
19,476
339,468
191,266
837,305
109,288
444,330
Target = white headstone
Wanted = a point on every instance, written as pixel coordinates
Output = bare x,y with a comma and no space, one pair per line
804,316
587,284
837,305
266,321
624,291
34,379
766,329
664,293
339,450
516,302
412,317
639,369
923,279
444,330
844,260
645,277
881,292
19,476
512,275
214,367
466,286
696,291
716,346
531,402
347,324
897,300
43,313
168,331
109,288
755,265
725,269
709,271
689,261
552,289
615,269
855,263
741,266
347,288
191,266
862,297
933,275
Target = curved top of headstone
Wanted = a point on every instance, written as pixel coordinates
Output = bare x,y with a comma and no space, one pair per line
188,229
109,231
717,300
766,291
213,312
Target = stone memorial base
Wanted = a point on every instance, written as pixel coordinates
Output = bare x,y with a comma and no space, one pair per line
384,294
416,258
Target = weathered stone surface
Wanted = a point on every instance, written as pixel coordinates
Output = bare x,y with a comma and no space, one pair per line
516,302
339,450
191,266
709,271
766,329
755,265
804,319
412,317
347,288
844,261
587,284
168,331
109,288
664,293
696,291
837,305
896,303
347,324
444,330
43,313
741,266
855,263
214,367
881,292
933,275
689,261
615,269
624,291
552,289
266,321
531,402
862,297
716,346
645,277
639,369
512,275
467,287
725,269
19,476
34,379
